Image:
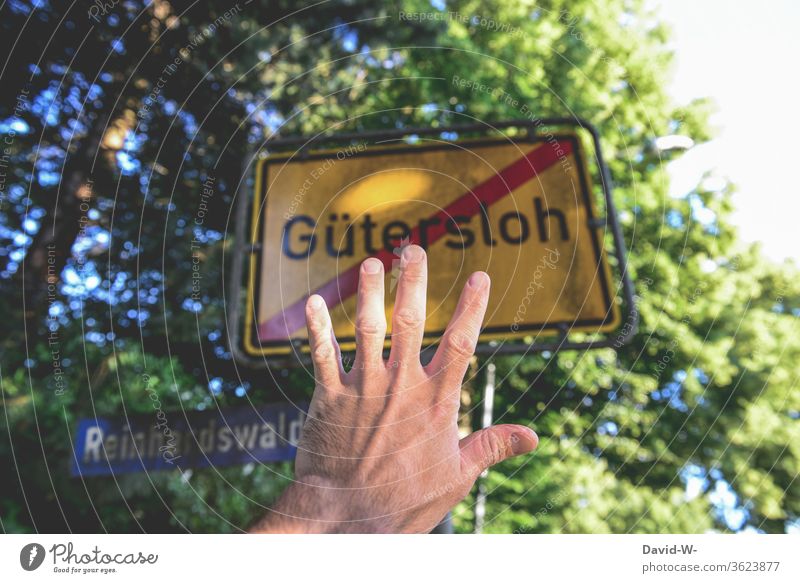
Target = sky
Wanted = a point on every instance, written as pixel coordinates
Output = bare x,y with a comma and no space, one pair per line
744,56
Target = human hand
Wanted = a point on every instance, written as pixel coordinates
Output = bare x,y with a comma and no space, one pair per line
380,450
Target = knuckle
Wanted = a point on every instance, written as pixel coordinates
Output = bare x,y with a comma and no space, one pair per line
475,301
492,447
323,351
370,326
317,325
459,344
371,284
408,318
413,274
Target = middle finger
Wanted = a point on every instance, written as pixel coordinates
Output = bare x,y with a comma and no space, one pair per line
408,317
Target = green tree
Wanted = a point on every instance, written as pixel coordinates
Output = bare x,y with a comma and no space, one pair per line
110,173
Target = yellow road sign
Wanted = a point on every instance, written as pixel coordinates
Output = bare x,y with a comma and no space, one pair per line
522,211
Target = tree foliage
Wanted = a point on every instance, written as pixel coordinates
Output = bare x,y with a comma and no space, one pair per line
113,124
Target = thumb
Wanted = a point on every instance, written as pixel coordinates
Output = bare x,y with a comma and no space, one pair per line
487,447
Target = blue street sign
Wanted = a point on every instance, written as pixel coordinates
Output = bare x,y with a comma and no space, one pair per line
193,439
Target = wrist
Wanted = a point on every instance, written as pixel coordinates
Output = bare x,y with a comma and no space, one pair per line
297,511
313,506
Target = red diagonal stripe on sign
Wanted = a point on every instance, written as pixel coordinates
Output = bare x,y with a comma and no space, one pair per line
335,291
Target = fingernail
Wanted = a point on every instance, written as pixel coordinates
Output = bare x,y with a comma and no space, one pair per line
524,441
372,266
316,302
413,254
478,280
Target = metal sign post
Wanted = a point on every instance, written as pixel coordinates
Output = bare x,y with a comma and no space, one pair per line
486,421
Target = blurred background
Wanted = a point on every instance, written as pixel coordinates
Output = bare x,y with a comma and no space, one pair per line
114,114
